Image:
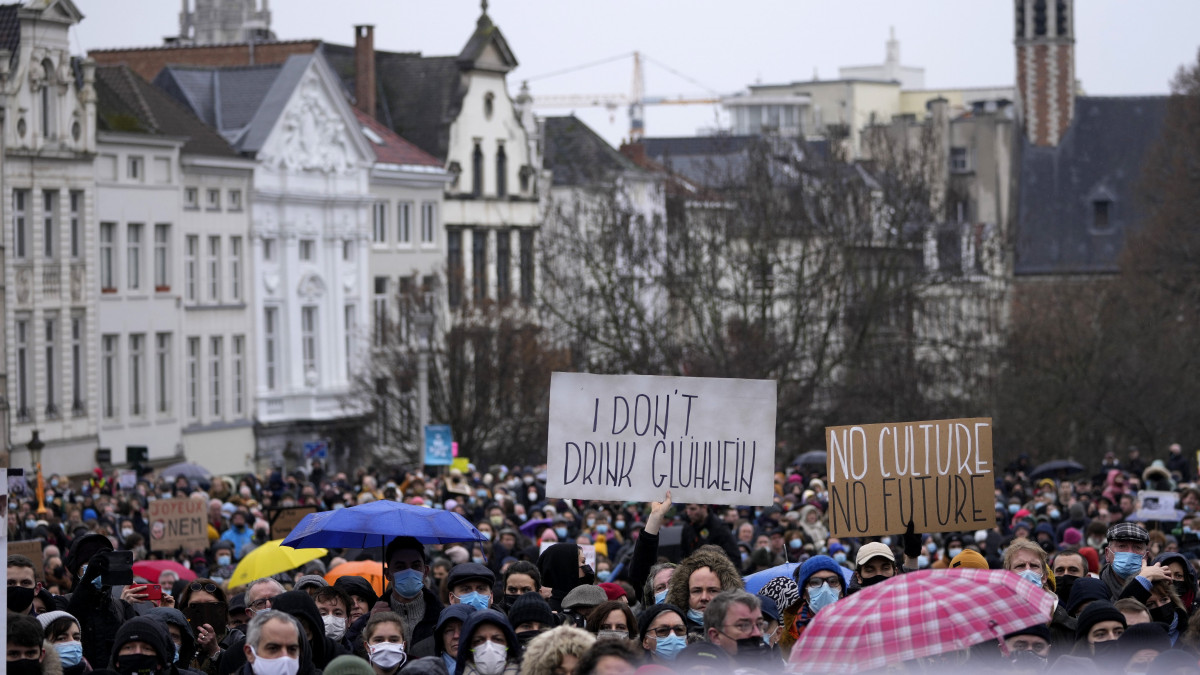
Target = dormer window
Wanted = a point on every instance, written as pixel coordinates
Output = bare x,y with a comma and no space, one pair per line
489,105
1102,214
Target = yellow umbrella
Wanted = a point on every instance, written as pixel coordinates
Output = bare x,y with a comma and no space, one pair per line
271,558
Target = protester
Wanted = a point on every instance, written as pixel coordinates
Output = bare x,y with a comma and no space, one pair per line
383,639
820,583
698,579
612,620
25,653
662,632
488,645
556,651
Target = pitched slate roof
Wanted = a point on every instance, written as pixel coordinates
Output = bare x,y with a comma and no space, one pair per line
486,32
10,29
127,103
1099,159
226,99
391,148
577,155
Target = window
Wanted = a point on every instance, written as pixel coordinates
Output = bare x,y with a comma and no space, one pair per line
239,375
380,311
214,268
503,265
212,200
76,232
351,329
51,346
527,266
108,236
268,249
191,198
308,338
215,361
958,160
379,223
108,375
270,344
136,167
162,394
137,369
454,267
49,222
20,224
235,268
489,105
524,175
235,200
308,249
191,254
1101,212
428,222
404,223
348,250
479,264
77,403
133,262
501,172
162,253
193,378
477,171
48,113
23,363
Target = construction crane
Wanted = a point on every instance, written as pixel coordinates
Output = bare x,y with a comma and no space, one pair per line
636,99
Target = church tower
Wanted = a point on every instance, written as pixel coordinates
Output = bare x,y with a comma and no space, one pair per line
1045,46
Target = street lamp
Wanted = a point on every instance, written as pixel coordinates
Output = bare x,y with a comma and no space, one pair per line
423,323
35,446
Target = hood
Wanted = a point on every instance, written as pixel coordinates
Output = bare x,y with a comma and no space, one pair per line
152,631
358,586
174,617
429,665
301,605
559,567
493,617
82,550
460,612
1172,556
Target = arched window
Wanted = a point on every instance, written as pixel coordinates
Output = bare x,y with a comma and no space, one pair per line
49,127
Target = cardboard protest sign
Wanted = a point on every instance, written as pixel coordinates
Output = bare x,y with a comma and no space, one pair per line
178,523
284,520
939,474
1158,505
31,549
633,437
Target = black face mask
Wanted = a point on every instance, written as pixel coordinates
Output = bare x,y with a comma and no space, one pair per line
136,664
1181,588
19,598
25,667
526,635
589,575
1062,587
871,581
1164,615
1026,662
509,599
1102,650
752,648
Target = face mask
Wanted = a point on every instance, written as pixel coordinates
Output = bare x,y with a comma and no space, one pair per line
931,547
490,658
30,524
591,522
526,635
532,496
408,583
1164,615
1027,661
25,667
796,543
561,532
660,597
335,626
496,520
1062,587
1096,543
283,665
620,524
871,581
1032,577
1103,650
125,532
1055,514
71,653
175,659
886,541
387,655
922,561
839,557
611,635
19,598
223,560
1127,564
477,559
751,648
1013,508
1181,588
953,553
603,575
669,647
482,494
695,616
474,599
602,529
822,597
134,663
745,558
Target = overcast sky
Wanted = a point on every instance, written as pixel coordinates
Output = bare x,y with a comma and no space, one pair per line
1122,47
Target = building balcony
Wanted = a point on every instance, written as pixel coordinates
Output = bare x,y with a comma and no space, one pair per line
51,281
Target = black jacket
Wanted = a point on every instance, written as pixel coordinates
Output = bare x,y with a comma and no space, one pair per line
301,605
711,531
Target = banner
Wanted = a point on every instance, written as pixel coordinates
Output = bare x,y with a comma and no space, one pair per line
178,523
438,445
939,474
284,520
633,437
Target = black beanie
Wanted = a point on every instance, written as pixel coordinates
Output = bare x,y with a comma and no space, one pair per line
1036,630
152,631
530,607
649,614
1149,635
1100,610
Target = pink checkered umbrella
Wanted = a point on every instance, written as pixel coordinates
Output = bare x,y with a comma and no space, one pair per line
916,615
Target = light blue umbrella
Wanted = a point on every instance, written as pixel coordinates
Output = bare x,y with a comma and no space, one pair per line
377,523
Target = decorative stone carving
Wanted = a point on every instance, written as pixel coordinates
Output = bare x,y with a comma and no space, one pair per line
37,73
271,283
312,287
24,285
349,283
77,278
312,135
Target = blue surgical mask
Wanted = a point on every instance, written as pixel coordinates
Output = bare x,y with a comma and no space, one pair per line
176,659
660,597
408,583
1013,508
477,559
30,523
953,553
223,560
620,524
1055,514
822,597
840,557
603,575
71,653
561,532
796,543
591,522
695,616
474,599
669,647
1127,564
931,547
922,561
481,493
1032,577
602,528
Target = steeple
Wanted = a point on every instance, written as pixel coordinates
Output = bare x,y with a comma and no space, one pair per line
487,49
1045,50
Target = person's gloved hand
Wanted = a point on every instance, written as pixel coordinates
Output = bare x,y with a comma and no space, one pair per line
97,566
912,542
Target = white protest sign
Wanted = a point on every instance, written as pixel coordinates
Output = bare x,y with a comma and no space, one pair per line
633,437
589,552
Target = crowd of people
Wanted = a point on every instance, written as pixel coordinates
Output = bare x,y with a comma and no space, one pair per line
565,587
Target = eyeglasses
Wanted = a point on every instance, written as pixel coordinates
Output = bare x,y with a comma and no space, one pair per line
816,582
261,604
747,625
207,588
664,631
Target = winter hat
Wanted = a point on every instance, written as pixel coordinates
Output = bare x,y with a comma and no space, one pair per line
1149,635
1174,661
83,548
612,591
769,607
816,564
1036,630
1077,512
457,555
649,614
47,618
530,607
783,590
348,664
1101,610
584,595
1071,537
469,572
1092,557
310,580
969,559
152,631
1086,589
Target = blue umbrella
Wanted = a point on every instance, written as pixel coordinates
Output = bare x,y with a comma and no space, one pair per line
756,581
377,523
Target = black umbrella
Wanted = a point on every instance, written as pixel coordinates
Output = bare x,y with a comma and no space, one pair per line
1056,468
811,458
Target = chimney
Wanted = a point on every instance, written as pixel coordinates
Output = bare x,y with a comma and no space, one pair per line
1045,46
364,68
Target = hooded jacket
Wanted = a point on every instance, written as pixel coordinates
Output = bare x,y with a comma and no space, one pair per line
559,567
1188,597
495,618
187,639
705,556
432,645
301,605
100,615
146,629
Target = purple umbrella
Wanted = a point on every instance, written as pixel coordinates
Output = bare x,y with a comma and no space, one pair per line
529,528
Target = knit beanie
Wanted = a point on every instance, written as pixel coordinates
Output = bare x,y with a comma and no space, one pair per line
1086,589
783,590
1100,610
530,607
969,559
348,664
649,614
1149,635
816,564
46,618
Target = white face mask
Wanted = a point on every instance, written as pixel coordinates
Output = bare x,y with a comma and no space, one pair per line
284,665
489,658
387,655
335,626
